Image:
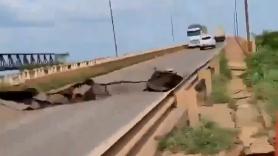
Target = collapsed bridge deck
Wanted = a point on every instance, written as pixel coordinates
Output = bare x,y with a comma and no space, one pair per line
91,127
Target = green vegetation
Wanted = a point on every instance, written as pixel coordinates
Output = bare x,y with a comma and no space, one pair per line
268,38
61,79
220,92
262,72
224,67
206,139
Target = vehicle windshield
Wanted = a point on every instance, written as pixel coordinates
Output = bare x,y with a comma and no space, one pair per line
206,38
194,33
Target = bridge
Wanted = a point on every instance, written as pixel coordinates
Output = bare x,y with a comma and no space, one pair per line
15,61
125,123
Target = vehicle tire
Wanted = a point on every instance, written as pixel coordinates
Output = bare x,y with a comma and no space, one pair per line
202,48
214,46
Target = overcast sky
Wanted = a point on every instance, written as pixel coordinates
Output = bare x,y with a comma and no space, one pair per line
83,28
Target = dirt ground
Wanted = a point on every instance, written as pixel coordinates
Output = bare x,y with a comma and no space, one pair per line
246,117
235,52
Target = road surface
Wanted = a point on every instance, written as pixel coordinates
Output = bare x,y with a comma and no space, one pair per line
90,127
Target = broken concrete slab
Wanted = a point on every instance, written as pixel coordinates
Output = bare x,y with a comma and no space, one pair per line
237,73
236,84
162,81
271,137
81,90
247,116
246,134
237,66
41,97
35,105
57,99
241,95
219,113
267,120
14,105
259,146
89,95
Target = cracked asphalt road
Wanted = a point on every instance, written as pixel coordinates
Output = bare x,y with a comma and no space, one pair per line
80,128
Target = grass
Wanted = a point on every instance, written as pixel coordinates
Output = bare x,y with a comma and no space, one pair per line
61,79
206,139
224,67
219,92
262,73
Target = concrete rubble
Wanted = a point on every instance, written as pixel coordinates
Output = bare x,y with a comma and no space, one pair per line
41,97
14,105
31,99
162,81
34,100
259,146
246,135
57,99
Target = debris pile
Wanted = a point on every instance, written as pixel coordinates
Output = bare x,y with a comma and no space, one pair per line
163,81
31,99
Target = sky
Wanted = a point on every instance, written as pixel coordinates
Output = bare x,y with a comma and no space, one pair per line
83,27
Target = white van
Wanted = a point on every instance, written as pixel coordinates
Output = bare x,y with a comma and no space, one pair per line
194,34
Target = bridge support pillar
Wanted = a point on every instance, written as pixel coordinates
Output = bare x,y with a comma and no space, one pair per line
192,107
186,98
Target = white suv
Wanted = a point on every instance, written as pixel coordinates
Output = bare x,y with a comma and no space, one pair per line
207,41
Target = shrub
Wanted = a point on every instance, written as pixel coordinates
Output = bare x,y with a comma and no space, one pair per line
206,139
224,67
268,39
259,64
262,73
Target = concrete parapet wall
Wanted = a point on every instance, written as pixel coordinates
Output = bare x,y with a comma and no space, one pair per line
16,79
178,109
